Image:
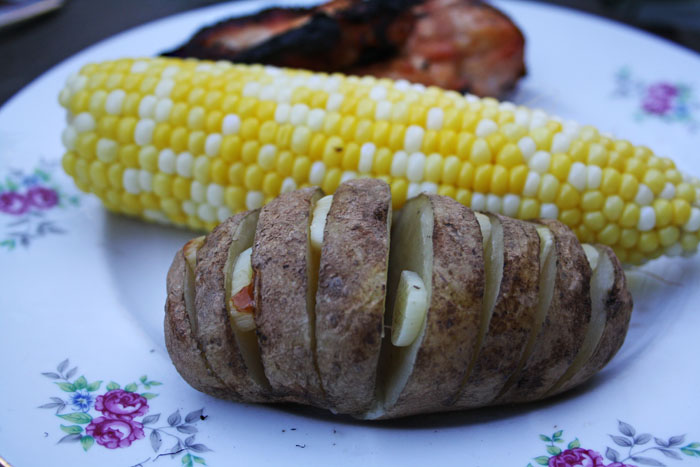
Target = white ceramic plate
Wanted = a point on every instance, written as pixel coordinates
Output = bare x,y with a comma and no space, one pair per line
82,295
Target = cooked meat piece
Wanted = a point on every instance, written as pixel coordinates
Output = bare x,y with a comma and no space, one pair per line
463,45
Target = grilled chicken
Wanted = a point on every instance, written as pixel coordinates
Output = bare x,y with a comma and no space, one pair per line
464,45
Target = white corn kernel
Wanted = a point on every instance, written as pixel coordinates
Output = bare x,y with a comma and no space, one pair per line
254,199
413,190
282,113
288,184
130,181
494,203
549,211
223,213
206,212
399,163
511,204
317,172
107,150
170,71
266,156
644,195
693,223
527,147
147,106
184,164
162,110
145,180
251,89
382,111
428,187
334,102
413,139
378,93
532,184
212,145
478,201
577,176
560,143
143,133
114,102
164,88
315,119
435,118
415,167
539,162
366,158
139,66
84,122
198,192
166,161
647,219
189,207
668,192
485,127
231,124
594,175
215,194
298,114
348,175
69,136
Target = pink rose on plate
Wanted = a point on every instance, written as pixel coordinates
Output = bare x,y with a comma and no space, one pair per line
42,198
620,464
121,404
13,203
114,433
577,457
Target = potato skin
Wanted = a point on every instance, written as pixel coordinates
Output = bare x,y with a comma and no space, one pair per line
351,293
285,331
454,313
618,306
180,341
214,333
513,315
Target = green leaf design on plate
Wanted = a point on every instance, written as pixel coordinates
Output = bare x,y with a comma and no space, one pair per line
111,386
187,460
149,395
542,460
143,379
131,387
80,383
87,442
690,452
553,450
94,386
71,429
155,383
546,439
67,387
558,434
198,460
77,417
574,444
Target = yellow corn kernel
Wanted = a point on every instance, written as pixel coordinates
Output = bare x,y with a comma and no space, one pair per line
499,180
351,156
689,242
196,142
673,176
230,103
131,203
480,153
249,128
285,161
249,152
656,163
592,200
513,132
363,131
655,180
482,178
433,168
548,189
571,217
568,197
648,241
447,142
148,158
542,137
597,155
685,191
162,185
464,196
450,170
200,169
301,138
170,206
230,148
266,110
68,163
161,135
560,166
179,138
247,107
331,180
85,145
613,206
236,173
196,96
271,184
611,181
629,238
125,130
464,145
316,146
635,167
578,151
300,169
331,124
234,197
347,127
218,171
98,174
466,175
107,126
509,156
589,133
594,220
518,176
584,234
382,162
267,132
529,209
399,190
628,187
149,201
630,215
253,177
681,211
496,142
380,132
129,155
181,188
447,190
609,235
669,236
663,211
616,161
195,223
396,136
624,148
195,118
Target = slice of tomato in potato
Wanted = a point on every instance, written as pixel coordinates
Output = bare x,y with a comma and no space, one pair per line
243,300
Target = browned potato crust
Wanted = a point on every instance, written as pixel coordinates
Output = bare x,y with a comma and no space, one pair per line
565,324
181,343
513,315
351,293
618,309
281,261
214,332
454,312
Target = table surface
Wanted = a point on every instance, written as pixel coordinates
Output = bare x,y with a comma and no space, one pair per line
30,48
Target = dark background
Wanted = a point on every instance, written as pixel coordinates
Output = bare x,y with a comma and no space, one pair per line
30,48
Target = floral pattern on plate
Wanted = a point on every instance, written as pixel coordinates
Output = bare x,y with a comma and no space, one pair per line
576,456
661,99
117,417
27,201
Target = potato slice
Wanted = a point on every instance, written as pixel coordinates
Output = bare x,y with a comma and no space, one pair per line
232,354
241,278
440,240
285,289
506,328
351,291
612,308
184,350
410,308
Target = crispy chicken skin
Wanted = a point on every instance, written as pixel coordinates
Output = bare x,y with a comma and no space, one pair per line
464,45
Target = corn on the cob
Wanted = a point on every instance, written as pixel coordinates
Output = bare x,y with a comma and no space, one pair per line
190,143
